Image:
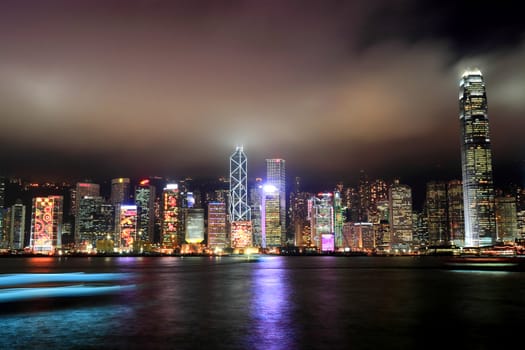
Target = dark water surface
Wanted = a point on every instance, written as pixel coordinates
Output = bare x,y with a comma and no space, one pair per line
270,302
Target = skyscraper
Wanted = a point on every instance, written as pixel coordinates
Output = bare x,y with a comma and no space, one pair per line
194,225
17,225
436,210
455,210
256,193
96,221
2,192
83,189
126,227
120,190
476,160
271,229
239,208
172,235
506,219
322,222
217,239
46,224
145,201
400,213
275,176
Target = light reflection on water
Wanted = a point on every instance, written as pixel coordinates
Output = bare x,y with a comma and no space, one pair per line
271,307
273,303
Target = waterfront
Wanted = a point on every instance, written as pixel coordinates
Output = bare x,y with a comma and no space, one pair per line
270,302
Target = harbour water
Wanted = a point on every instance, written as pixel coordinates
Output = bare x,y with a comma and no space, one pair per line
265,302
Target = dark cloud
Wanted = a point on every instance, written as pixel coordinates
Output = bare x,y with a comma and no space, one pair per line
109,88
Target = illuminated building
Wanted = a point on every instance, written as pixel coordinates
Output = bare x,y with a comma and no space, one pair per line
476,160
364,197
339,219
171,226
378,195
271,232
275,176
46,224
456,212
299,218
322,222
521,224
96,221
437,218
145,202
190,200
239,208
256,194
17,214
120,188
4,223
360,236
420,227
352,204
83,189
400,213
126,226
383,235
194,224
217,238
241,234
2,192
506,219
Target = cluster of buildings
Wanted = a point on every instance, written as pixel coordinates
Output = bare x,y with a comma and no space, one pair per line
238,216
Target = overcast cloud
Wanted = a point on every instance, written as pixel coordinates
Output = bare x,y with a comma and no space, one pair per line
139,88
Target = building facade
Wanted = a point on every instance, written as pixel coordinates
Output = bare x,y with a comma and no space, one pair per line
120,189
400,213
476,161
46,224
506,219
145,202
276,176
239,208
217,237
172,235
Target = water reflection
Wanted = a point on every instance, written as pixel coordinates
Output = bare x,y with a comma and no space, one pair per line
271,307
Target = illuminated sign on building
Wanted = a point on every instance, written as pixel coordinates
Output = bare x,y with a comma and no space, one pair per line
127,225
46,224
194,225
327,242
170,216
241,234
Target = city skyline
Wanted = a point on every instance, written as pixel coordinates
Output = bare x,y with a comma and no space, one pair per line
134,89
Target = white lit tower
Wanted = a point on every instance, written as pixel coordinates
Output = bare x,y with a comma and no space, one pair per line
476,161
275,176
239,208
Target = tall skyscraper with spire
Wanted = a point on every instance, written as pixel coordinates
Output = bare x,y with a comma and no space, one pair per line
476,160
239,208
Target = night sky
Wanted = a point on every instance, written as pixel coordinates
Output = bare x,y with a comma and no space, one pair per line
137,88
